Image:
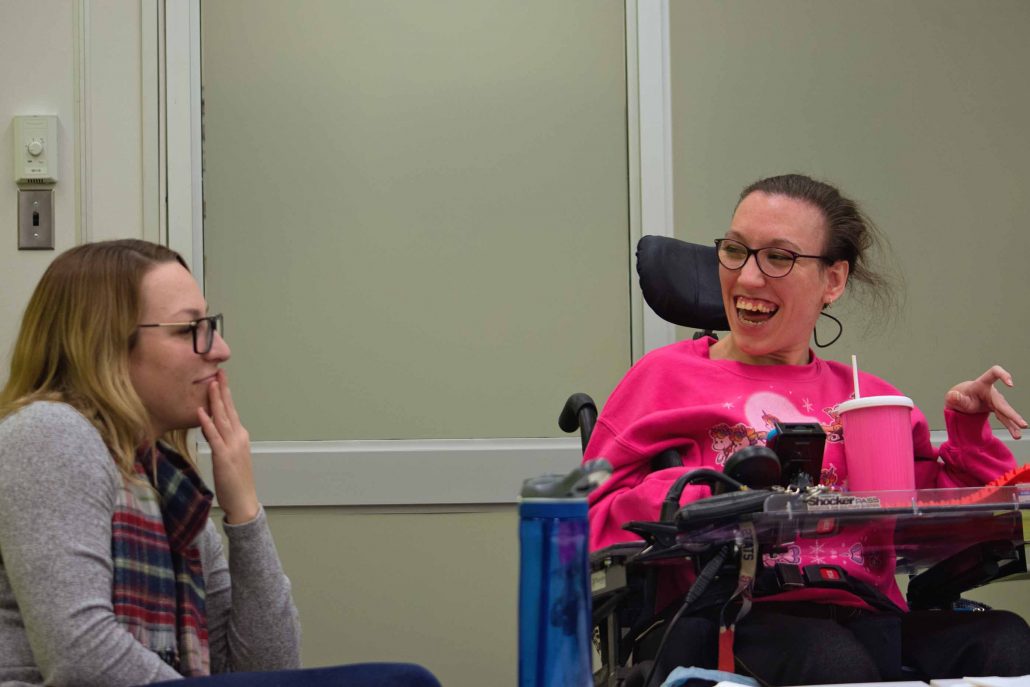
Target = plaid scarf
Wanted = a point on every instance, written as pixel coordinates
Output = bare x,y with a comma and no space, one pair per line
158,590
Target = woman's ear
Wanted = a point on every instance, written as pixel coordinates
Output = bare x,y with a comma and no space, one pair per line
836,280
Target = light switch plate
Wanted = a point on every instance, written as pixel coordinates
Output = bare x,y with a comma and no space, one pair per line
35,219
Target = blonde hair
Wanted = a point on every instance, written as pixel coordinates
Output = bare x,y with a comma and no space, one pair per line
75,337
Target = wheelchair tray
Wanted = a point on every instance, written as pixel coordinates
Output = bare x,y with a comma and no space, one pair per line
949,540
922,527
916,529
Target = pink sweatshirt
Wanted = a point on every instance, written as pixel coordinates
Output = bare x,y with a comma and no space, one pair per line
678,397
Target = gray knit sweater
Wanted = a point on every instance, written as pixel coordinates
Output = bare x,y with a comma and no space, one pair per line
58,486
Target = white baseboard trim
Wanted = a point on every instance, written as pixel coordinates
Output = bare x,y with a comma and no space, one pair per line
422,472
401,472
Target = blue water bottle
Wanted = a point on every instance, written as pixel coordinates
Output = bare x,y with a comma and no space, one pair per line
554,578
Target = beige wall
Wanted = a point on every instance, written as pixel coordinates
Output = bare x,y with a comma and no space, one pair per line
35,80
451,180
441,191
918,109
83,65
435,588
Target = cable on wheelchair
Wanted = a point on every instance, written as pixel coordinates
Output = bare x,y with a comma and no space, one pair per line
704,579
671,504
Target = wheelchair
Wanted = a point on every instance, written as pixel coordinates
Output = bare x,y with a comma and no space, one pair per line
680,283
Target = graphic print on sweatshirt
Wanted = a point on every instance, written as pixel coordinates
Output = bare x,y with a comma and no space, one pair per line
762,410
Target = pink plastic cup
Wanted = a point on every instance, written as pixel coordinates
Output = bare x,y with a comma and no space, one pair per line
878,443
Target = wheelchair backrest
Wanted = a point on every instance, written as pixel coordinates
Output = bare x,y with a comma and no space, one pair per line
680,282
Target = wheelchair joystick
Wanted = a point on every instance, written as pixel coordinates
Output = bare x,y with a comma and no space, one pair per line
751,468
756,467
707,476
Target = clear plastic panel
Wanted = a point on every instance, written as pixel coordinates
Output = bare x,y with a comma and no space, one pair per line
926,526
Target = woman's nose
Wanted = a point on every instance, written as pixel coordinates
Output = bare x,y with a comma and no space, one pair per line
220,350
749,273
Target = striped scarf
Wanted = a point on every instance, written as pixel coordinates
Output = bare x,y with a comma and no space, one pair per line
158,589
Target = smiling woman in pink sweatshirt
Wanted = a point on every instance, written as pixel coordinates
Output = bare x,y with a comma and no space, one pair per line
793,246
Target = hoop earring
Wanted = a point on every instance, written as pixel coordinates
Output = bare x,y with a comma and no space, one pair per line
840,330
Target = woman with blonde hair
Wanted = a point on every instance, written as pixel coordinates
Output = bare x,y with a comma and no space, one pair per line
111,572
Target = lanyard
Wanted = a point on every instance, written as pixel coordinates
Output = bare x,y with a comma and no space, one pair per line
745,584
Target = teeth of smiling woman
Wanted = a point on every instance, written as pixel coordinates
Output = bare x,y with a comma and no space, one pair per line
755,312
743,304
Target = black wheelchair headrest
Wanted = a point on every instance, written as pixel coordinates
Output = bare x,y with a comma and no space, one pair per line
680,281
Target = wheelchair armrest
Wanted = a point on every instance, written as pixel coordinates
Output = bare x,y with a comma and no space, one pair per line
669,458
616,553
660,536
975,566
608,567
580,412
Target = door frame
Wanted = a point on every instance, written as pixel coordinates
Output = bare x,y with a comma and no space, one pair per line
436,472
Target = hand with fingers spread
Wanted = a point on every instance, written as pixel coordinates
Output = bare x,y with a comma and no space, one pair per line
230,454
980,396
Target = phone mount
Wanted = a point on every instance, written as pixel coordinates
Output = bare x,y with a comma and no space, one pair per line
799,447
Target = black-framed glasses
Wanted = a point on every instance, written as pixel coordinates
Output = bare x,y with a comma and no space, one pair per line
773,262
203,330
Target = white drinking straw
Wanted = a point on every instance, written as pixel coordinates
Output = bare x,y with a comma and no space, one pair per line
854,374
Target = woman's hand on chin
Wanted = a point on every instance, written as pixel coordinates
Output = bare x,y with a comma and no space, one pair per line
230,454
980,396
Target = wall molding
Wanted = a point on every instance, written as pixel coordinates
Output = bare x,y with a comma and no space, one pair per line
401,472
182,131
83,147
650,90
152,120
445,472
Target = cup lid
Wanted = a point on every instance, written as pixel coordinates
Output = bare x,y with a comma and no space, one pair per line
874,402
